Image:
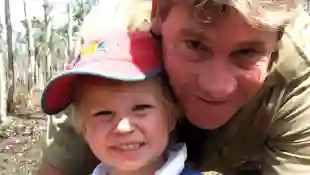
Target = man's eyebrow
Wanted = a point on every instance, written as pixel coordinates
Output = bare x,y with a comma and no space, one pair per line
199,34
259,44
189,31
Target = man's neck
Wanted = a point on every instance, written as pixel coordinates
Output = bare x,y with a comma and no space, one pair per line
149,169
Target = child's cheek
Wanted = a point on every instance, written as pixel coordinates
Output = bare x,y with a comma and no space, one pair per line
96,137
96,131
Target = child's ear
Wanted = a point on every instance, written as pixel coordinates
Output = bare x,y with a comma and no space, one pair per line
172,125
173,121
176,115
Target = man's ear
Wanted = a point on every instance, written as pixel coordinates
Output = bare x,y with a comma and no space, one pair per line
156,25
156,21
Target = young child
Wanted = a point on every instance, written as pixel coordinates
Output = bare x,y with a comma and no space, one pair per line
122,108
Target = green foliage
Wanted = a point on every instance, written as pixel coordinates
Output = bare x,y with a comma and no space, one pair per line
58,38
80,10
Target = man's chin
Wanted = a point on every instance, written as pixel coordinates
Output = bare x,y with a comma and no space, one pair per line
207,122
208,116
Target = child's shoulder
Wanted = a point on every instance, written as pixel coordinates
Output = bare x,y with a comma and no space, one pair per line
101,169
187,171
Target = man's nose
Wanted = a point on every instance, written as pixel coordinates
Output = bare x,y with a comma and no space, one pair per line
124,126
217,81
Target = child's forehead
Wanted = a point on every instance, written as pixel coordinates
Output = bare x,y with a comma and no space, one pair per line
93,80
94,93
87,85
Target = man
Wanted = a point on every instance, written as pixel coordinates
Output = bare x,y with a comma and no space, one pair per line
241,72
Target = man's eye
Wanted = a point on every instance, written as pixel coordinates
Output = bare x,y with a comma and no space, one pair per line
194,44
105,113
247,57
142,107
245,53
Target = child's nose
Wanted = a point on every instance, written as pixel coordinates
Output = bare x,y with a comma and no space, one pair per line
124,126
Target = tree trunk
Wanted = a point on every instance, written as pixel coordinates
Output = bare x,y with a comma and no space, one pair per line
10,71
47,37
307,5
93,2
70,33
40,68
3,95
31,66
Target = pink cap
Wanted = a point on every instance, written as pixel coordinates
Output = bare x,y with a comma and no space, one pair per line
115,54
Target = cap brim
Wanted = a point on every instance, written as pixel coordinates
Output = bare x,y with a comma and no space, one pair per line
57,93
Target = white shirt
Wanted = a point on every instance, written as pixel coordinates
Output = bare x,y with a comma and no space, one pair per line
177,155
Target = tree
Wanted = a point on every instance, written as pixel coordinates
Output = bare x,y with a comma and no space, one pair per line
57,45
93,2
307,5
80,10
32,63
53,44
48,22
3,102
10,70
37,34
70,32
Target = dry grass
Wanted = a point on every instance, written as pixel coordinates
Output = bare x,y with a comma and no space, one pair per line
21,145
21,137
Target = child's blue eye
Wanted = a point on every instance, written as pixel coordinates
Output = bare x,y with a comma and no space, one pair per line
142,107
104,113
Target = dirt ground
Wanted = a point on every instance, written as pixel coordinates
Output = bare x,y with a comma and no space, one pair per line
21,143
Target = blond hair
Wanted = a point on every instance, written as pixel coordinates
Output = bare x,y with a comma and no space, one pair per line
162,92
268,14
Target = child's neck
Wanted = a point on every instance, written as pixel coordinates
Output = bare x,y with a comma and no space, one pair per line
149,169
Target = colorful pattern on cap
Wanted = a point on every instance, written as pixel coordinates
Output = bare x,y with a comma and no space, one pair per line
93,47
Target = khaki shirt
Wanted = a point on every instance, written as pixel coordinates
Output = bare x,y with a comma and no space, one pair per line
273,130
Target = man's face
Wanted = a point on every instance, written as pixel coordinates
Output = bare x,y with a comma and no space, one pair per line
214,68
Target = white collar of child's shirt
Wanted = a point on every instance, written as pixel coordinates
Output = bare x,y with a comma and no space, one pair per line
176,154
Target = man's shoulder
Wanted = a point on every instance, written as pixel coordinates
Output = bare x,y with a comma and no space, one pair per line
292,69
294,52
299,30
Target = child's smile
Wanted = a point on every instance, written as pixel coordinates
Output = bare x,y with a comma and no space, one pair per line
129,150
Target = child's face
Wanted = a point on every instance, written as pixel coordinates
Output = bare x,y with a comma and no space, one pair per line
127,126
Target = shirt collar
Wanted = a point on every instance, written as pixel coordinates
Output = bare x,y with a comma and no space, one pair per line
177,155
